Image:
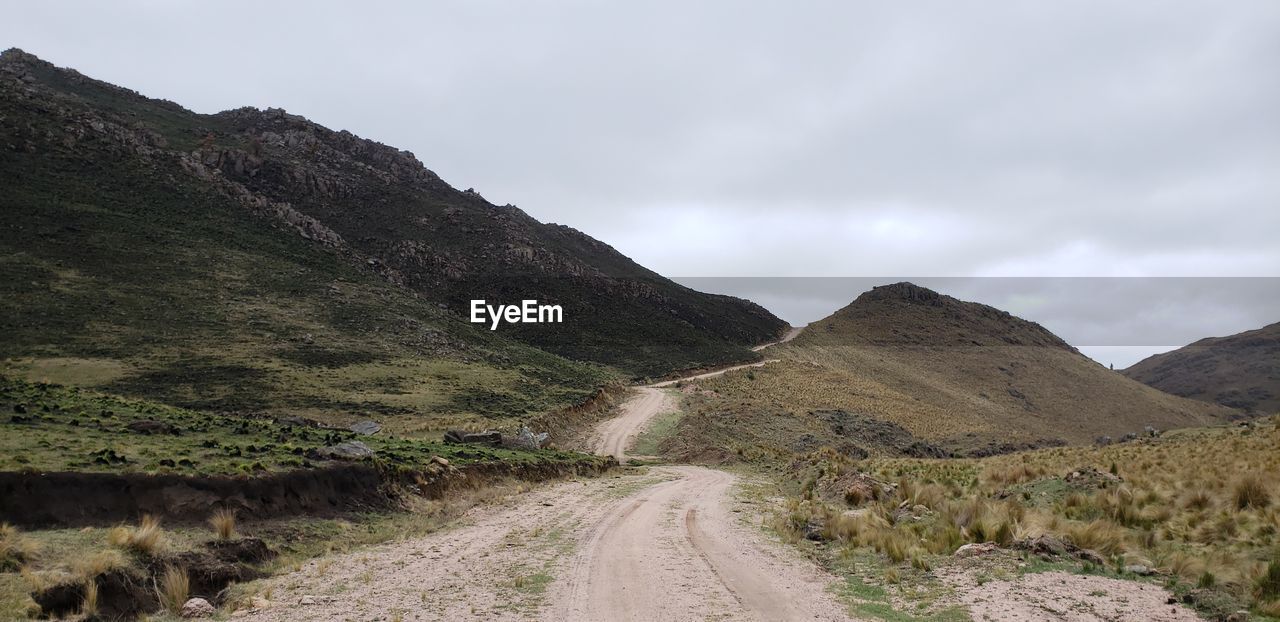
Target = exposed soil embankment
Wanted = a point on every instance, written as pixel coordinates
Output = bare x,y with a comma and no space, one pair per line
567,425
77,499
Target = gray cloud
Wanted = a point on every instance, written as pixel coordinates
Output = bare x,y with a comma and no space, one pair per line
776,139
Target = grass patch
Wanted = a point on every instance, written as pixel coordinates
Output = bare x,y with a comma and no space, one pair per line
1175,504
660,427
54,428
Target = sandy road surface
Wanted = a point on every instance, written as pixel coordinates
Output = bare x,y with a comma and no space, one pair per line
677,551
669,544
614,436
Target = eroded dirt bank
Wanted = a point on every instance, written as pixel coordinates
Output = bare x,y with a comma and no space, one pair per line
80,499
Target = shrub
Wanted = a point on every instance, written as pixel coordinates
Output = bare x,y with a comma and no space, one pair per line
173,589
223,522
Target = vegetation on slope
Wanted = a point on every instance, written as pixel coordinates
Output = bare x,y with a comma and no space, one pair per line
152,204
54,428
906,371
1198,509
1241,371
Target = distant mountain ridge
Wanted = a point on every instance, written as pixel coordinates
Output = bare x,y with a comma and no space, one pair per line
931,375
908,314
1241,371
385,212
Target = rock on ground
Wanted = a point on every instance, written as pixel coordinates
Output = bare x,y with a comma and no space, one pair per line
196,608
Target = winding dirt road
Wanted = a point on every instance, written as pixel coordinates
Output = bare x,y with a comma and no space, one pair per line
614,436
671,543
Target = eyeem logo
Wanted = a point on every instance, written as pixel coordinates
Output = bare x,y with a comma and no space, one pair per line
528,311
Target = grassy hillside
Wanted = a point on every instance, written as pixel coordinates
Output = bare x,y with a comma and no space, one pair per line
1240,371
179,188
127,276
55,428
906,371
1196,510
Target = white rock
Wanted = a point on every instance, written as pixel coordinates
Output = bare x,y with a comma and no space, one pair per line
976,549
196,608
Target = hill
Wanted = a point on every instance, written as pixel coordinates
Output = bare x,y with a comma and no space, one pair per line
1240,371
253,260
904,370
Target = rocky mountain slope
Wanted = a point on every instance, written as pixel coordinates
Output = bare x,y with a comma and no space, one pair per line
905,370
255,260
1240,371
379,207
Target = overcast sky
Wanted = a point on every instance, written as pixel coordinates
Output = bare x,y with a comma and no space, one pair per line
799,139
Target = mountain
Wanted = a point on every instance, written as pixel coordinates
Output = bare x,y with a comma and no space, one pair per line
1240,371
904,370
254,260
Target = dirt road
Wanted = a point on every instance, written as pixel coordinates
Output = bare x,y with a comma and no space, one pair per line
678,551
670,543
614,436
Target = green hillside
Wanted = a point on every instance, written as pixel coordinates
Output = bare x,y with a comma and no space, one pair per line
253,261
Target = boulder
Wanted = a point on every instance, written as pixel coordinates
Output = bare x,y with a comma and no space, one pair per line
977,549
366,427
1141,570
527,439
1044,546
196,608
491,438
349,450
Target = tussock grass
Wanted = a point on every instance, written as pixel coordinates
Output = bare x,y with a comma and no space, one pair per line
1196,505
223,523
16,550
173,588
147,539
89,605
1250,492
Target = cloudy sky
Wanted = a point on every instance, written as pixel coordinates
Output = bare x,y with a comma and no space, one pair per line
788,139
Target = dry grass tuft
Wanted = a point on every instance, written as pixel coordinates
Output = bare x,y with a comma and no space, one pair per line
223,522
1267,586
1102,536
146,539
16,550
1250,492
173,589
89,605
